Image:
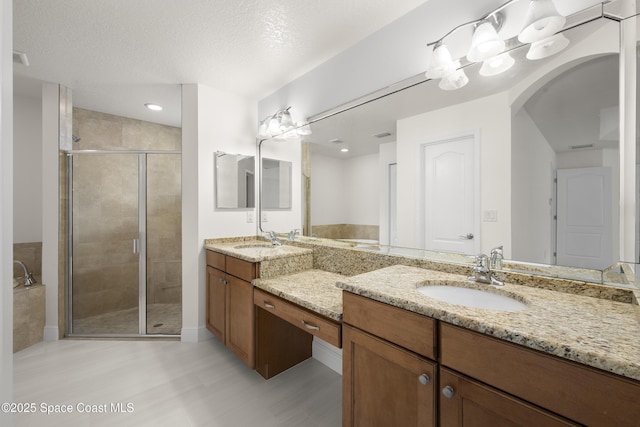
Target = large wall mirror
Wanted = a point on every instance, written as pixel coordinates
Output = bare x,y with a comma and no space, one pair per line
527,160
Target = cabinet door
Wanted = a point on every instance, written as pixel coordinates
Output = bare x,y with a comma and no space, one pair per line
468,403
385,385
216,302
240,319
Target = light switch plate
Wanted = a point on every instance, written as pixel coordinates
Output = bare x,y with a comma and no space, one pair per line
490,216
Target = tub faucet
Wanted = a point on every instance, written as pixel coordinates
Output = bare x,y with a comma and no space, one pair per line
273,238
28,277
482,272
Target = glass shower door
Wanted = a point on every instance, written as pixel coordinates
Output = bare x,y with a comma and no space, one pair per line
163,244
104,244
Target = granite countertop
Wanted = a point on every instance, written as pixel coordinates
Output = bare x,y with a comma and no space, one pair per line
595,332
255,250
312,289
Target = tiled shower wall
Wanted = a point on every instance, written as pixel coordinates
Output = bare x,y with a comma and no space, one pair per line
105,205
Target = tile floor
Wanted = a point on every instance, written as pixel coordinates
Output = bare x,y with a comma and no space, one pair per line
161,319
167,383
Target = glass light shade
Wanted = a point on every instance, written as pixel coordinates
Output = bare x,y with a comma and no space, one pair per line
542,21
454,80
497,64
547,47
274,126
263,130
441,62
286,122
485,43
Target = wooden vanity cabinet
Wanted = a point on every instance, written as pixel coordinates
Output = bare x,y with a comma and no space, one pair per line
474,379
576,392
387,379
465,402
230,313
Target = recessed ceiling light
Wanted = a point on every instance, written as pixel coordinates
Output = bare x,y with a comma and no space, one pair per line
153,107
344,150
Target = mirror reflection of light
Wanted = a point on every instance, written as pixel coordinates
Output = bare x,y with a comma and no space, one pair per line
497,64
153,107
453,81
547,47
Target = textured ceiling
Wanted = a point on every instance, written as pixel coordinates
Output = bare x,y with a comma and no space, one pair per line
113,49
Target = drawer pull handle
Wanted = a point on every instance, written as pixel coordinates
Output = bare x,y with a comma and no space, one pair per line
448,392
267,305
310,326
424,379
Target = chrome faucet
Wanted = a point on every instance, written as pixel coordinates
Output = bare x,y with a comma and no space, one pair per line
495,258
273,238
292,234
482,272
28,277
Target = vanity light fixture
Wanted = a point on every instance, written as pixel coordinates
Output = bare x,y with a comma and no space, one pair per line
281,124
455,80
153,107
541,22
441,63
547,47
485,42
496,65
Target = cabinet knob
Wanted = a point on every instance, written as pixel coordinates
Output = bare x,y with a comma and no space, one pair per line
448,392
424,379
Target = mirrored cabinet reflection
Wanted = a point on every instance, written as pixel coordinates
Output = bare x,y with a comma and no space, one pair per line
235,182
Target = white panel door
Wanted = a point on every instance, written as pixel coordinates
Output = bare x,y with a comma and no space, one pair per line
585,218
449,202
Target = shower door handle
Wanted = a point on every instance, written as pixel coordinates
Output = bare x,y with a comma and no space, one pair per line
136,246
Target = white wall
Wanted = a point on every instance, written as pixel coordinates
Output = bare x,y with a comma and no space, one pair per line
491,117
345,191
50,205
362,187
27,172
327,178
533,163
6,206
387,157
212,120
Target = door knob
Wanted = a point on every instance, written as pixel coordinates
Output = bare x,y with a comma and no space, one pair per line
469,236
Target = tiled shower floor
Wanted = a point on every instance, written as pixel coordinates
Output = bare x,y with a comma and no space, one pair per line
163,319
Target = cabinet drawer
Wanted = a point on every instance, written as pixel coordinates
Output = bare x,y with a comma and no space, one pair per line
577,392
404,328
242,269
215,260
306,320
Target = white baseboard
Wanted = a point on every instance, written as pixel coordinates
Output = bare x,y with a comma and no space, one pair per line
195,334
327,354
51,333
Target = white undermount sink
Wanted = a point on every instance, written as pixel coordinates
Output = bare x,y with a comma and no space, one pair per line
473,298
